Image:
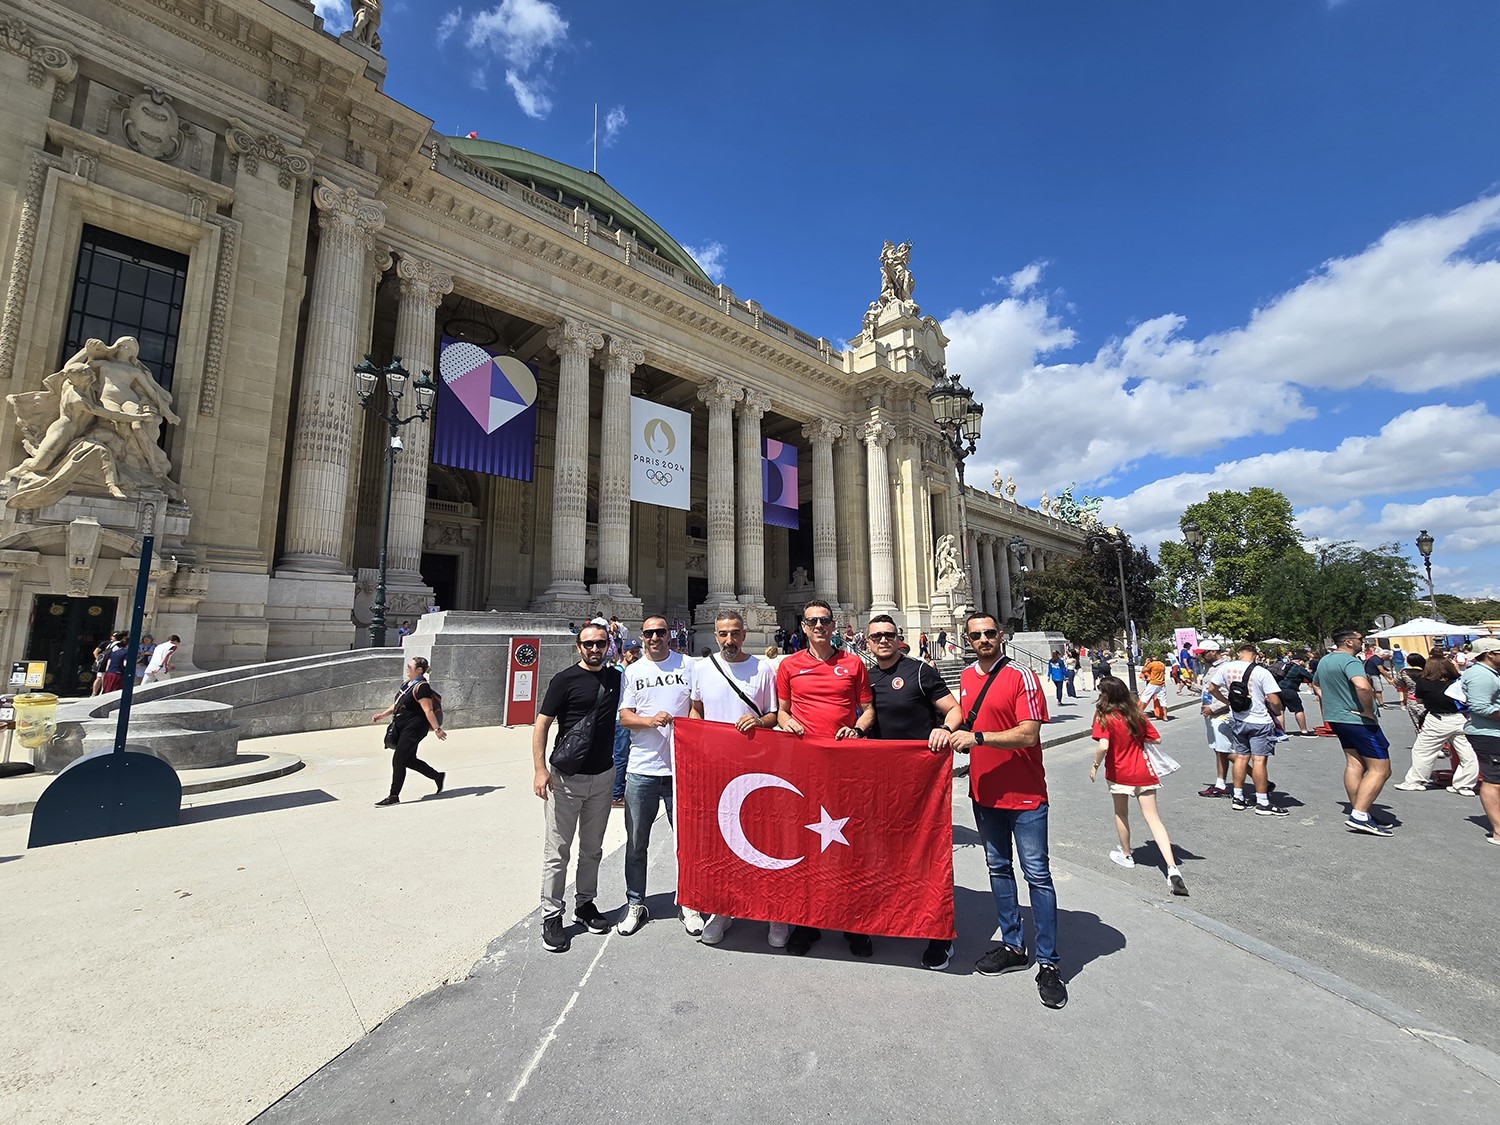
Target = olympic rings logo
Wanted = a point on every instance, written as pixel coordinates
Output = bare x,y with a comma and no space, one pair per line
658,476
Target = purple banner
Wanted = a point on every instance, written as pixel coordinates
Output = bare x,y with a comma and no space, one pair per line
779,474
486,412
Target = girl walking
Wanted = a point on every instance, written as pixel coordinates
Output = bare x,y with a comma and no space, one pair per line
1443,725
1121,733
1057,672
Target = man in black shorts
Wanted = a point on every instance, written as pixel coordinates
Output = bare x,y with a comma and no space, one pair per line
911,702
1291,678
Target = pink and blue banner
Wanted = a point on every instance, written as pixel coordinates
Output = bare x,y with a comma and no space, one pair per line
486,412
779,474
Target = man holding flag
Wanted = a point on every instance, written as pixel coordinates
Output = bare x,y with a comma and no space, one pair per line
1004,710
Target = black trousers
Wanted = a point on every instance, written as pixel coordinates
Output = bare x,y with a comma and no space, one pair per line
404,755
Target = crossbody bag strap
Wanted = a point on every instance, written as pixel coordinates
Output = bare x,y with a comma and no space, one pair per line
759,714
979,699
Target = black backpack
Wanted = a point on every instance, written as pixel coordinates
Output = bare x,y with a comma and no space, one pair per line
1238,694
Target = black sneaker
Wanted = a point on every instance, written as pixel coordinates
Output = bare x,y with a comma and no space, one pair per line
1175,882
1002,959
802,940
1271,810
1050,986
387,803
1239,804
936,954
554,937
587,914
860,944
441,778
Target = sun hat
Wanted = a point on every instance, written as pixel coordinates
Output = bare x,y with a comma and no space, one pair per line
1485,644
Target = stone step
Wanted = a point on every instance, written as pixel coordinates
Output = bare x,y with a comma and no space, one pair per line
18,795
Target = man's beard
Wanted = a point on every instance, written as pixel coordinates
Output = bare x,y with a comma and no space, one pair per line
729,650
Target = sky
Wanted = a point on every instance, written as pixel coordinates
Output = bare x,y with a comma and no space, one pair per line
1177,246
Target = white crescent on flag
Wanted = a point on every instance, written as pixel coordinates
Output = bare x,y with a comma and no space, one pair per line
733,831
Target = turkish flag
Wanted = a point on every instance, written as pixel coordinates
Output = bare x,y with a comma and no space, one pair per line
854,835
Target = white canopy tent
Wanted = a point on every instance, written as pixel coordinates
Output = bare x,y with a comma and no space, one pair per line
1431,627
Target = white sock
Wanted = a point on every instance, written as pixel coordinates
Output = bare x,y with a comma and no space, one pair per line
1239,794
1263,799
1172,871
1221,783
1355,814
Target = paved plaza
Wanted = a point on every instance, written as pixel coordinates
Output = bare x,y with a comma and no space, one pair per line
218,971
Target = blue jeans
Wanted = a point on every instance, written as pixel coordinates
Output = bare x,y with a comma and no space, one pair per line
1029,829
622,758
644,794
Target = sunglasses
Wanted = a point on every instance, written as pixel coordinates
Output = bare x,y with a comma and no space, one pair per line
653,632
878,637
818,622
984,634
593,644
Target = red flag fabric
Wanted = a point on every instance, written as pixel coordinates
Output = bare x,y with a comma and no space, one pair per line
854,835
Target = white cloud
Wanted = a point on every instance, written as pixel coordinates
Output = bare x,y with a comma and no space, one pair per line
614,121
711,256
526,35
1023,279
337,16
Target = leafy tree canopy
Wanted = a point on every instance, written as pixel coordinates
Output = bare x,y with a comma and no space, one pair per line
1244,534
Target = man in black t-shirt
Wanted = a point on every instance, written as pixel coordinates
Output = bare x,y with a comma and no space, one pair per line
912,703
576,802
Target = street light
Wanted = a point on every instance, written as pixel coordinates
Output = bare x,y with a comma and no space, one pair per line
1424,544
367,376
1113,539
1194,539
1018,547
958,417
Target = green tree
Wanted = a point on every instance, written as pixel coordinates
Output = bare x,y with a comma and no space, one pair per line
1307,595
1462,611
1080,598
1245,534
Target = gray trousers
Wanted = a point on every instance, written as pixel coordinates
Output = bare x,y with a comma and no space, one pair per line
578,803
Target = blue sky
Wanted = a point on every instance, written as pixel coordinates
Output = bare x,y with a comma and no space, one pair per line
1177,245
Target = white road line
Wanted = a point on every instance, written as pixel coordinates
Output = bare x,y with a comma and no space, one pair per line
547,1039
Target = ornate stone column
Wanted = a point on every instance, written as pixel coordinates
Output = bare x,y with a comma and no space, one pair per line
423,287
622,356
878,435
853,533
1007,606
720,395
976,573
319,484
574,341
987,572
823,434
750,530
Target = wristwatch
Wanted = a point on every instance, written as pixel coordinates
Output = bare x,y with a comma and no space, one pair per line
979,738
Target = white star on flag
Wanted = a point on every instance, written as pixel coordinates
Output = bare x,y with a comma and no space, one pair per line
830,830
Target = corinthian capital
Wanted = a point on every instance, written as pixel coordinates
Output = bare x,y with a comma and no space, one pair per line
753,405
878,433
345,209
422,280
575,339
824,431
719,391
624,355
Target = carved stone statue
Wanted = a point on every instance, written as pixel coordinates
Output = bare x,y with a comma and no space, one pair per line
800,580
1010,489
95,427
1045,507
366,28
948,572
895,275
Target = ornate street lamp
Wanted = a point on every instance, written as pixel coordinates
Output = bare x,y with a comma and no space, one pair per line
367,376
1018,547
1194,540
1424,544
1114,540
958,417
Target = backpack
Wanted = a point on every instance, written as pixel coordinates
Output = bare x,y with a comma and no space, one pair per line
1238,693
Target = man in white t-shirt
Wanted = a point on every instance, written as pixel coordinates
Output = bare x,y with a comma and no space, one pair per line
735,687
653,692
1251,725
160,667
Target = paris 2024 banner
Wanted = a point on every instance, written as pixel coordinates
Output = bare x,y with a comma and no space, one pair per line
854,835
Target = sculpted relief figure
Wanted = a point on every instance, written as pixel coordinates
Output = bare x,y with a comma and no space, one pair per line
997,483
1010,489
94,427
1045,507
366,28
895,274
948,573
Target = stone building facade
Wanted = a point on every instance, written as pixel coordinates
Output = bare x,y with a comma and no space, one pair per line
226,181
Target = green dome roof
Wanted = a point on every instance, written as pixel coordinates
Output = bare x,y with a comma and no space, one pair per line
573,187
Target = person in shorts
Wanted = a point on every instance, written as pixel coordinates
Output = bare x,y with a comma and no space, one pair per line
1252,729
1481,683
1293,675
1215,716
1350,710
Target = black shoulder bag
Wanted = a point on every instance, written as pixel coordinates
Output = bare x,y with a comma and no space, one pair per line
759,714
572,749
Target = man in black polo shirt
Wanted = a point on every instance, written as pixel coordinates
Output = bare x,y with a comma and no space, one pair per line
911,702
576,802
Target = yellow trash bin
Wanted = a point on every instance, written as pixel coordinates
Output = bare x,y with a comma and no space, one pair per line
36,718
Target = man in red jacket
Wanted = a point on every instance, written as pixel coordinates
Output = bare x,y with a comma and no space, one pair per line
1004,709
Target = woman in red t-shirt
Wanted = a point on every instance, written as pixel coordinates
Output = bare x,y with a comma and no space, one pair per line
1121,733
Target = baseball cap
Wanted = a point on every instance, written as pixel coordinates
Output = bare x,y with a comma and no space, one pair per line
1485,644
1210,646
632,646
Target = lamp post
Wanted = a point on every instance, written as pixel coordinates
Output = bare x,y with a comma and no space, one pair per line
1194,540
366,376
1113,539
1018,548
1424,544
958,417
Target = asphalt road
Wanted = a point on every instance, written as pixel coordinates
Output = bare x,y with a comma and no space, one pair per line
1410,917
656,1025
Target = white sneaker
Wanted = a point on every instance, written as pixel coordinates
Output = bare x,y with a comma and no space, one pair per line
1119,856
636,916
1461,790
1412,786
715,928
780,933
692,922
